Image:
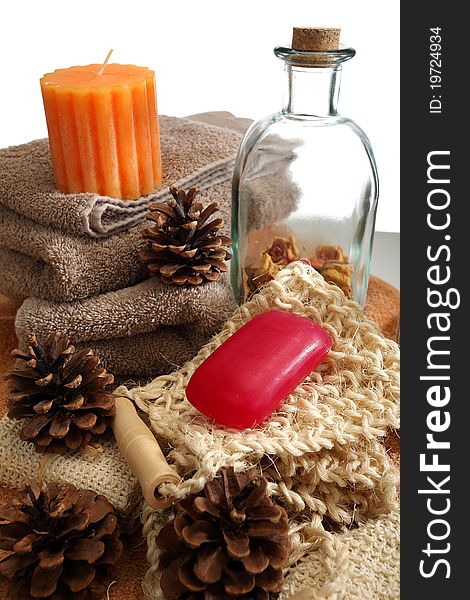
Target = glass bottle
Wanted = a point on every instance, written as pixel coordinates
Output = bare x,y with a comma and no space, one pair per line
305,184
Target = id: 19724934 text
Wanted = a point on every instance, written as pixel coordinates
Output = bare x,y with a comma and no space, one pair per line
435,70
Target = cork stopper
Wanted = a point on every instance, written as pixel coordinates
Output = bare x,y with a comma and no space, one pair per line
315,38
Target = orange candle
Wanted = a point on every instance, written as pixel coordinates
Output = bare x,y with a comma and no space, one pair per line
103,129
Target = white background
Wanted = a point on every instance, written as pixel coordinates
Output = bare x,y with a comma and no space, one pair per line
208,55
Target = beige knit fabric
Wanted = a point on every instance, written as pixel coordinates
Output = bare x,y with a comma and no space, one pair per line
105,471
321,451
361,564
336,415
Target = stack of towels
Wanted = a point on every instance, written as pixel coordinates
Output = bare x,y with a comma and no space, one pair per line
74,258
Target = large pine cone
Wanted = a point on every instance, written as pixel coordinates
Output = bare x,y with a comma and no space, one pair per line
58,544
229,541
61,392
184,248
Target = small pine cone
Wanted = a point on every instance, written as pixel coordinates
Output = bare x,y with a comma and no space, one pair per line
58,544
62,394
184,247
228,541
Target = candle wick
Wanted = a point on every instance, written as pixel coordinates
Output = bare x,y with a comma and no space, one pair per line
103,66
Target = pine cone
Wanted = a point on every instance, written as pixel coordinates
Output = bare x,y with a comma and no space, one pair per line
184,248
61,392
228,541
58,544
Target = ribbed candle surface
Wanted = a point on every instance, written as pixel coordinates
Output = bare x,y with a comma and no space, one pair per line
103,130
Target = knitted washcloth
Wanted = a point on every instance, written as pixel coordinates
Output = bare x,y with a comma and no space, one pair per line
106,472
361,564
321,452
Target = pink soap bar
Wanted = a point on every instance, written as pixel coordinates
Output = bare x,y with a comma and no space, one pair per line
251,373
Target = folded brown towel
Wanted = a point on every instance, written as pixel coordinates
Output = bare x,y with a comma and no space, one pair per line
36,260
138,331
193,153
221,118
40,260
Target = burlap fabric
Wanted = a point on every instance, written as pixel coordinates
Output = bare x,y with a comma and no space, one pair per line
103,470
322,451
361,564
